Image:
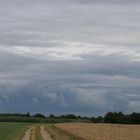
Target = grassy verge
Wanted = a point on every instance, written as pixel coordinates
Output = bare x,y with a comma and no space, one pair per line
12,131
35,133
57,134
38,135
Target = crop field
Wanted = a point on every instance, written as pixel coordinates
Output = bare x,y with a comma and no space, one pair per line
58,134
68,131
23,131
89,131
11,131
29,131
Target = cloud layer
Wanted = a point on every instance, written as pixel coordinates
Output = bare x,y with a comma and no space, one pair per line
71,56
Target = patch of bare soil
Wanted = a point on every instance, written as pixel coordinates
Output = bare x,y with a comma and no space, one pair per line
27,134
45,135
33,132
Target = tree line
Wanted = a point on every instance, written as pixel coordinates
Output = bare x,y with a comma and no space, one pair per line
118,118
110,117
40,118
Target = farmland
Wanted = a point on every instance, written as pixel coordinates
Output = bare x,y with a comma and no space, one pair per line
28,131
45,132
58,134
68,131
89,131
12,131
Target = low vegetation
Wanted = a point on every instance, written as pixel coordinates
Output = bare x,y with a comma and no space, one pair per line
58,134
110,117
12,131
40,118
37,132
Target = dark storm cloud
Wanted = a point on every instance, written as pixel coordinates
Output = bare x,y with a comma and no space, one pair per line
69,56
66,86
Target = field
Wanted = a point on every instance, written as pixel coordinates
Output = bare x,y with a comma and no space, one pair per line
101,131
58,134
68,131
28,131
12,131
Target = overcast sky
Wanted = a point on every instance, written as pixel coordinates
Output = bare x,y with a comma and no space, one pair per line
69,56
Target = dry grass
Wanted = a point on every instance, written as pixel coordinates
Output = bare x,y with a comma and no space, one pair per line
35,133
57,134
102,131
32,136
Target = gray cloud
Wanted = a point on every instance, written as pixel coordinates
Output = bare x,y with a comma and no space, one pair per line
69,56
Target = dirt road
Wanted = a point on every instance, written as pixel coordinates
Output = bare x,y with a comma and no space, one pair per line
27,134
30,133
45,135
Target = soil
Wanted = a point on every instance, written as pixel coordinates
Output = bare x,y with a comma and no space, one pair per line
45,135
27,134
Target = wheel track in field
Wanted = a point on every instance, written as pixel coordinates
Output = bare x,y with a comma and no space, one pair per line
30,133
44,134
27,134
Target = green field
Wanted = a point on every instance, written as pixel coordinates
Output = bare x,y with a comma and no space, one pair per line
16,131
12,131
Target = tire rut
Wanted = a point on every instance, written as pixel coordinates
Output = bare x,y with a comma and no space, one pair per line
45,135
27,134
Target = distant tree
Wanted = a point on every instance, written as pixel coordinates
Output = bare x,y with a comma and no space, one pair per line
134,118
115,117
52,116
28,114
120,117
79,116
99,119
109,118
39,115
71,116
93,119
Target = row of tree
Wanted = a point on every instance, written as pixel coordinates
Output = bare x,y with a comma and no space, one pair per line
110,117
22,115
118,118
38,115
40,118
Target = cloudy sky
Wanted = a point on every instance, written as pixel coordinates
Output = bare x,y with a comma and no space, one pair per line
69,56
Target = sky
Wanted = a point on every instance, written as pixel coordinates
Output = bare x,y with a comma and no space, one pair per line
69,56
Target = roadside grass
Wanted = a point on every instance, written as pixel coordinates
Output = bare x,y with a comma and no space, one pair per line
38,135
12,131
57,134
35,133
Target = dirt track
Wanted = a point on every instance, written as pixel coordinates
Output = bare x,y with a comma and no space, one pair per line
45,135
30,133
27,134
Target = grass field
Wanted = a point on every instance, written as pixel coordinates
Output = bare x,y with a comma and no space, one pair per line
102,131
35,133
12,131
